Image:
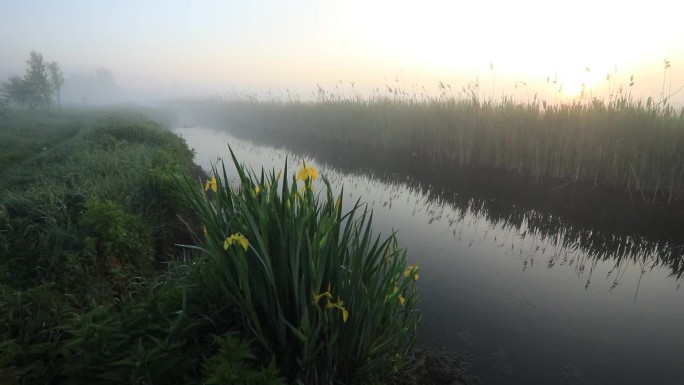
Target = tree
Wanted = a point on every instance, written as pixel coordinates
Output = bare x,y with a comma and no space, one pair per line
35,89
16,91
56,80
37,80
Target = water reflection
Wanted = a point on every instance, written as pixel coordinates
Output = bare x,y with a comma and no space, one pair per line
557,242
593,235
539,237
533,298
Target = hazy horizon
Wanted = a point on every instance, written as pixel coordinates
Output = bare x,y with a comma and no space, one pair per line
184,48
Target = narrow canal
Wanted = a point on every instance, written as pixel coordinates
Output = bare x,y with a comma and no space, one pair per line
530,300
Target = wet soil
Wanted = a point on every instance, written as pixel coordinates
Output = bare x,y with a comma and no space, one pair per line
436,367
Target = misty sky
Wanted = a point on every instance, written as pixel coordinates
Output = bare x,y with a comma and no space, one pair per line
201,47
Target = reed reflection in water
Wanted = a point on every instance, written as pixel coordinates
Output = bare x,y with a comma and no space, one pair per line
531,297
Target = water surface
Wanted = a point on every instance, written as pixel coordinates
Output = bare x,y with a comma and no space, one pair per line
531,299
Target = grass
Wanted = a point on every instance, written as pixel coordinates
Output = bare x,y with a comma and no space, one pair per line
282,288
88,205
22,137
77,199
632,148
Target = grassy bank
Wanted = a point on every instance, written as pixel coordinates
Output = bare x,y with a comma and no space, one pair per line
631,148
79,188
280,287
88,209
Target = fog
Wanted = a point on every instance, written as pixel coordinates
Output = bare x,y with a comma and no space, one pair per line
165,49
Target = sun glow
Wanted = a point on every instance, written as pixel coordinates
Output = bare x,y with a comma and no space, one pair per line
504,45
584,84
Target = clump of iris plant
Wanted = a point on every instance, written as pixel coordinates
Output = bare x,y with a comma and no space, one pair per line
320,293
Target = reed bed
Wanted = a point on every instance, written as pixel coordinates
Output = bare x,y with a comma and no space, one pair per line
633,147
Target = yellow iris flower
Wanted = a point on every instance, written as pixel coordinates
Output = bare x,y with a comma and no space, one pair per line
340,306
211,183
257,189
412,270
401,299
236,239
307,172
345,314
332,305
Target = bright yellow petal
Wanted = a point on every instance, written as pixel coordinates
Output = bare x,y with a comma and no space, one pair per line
412,270
211,183
236,238
345,314
257,190
306,173
401,299
244,242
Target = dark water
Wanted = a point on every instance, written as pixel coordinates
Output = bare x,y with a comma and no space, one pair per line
531,299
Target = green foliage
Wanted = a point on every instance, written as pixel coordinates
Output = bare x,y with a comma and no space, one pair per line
80,223
115,237
163,333
38,231
333,303
16,91
38,82
85,222
29,334
230,365
60,165
142,343
23,137
35,89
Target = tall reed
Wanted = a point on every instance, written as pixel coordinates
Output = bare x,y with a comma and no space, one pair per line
632,147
